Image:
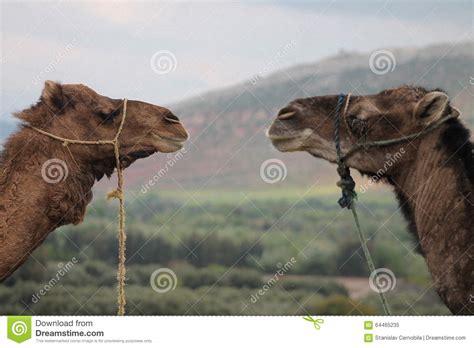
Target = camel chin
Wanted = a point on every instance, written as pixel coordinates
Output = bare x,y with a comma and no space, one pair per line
324,154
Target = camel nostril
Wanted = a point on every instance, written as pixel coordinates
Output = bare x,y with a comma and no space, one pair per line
286,113
172,119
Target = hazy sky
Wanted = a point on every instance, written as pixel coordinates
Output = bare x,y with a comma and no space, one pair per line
162,52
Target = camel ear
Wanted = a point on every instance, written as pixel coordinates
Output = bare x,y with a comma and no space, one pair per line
432,107
54,99
455,112
53,96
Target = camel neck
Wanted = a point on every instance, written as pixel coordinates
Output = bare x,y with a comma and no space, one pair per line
435,184
436,196
40,190
39,171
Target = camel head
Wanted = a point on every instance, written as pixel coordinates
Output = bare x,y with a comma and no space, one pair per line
75,111
308,125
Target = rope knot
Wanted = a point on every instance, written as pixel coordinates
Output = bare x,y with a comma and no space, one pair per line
66,143
116,194
347,185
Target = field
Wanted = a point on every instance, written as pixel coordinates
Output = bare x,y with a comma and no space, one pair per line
231,252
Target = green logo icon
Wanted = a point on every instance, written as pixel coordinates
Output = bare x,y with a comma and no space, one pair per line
19,328
368,338
368,325
316,322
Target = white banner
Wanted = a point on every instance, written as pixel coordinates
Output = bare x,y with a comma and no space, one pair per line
219,331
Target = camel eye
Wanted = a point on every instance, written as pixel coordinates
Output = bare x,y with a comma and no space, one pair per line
357,126
108,117
351,119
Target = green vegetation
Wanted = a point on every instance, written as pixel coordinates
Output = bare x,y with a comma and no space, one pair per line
231,255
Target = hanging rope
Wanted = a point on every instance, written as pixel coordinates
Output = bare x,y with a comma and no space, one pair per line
117,194
349,196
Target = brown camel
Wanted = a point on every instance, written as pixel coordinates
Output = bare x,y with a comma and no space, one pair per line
433,178
44,185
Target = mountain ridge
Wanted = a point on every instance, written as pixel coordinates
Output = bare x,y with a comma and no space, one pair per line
233,120
227,126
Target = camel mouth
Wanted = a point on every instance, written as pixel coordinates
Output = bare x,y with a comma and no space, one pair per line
174,144
178,141
274,137
288,142
275,134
